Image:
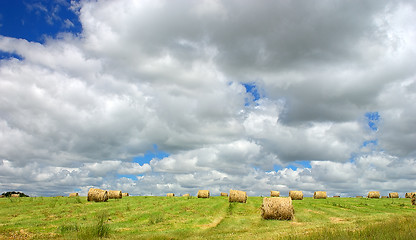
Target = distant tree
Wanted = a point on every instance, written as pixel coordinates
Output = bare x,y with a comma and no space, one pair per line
9,194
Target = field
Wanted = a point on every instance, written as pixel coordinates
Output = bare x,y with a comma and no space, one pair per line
193,218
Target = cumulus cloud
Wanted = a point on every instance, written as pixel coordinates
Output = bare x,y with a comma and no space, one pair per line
76,110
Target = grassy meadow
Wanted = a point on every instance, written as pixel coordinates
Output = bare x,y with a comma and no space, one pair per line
193,218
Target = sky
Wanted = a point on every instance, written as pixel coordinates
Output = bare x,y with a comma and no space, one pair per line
158,96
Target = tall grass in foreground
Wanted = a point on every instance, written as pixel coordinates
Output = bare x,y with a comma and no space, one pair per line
395,228
100,229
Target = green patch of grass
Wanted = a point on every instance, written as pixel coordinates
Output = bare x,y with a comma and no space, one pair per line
68,228
212,218
155,218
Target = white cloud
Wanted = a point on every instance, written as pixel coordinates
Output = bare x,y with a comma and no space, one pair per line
77,109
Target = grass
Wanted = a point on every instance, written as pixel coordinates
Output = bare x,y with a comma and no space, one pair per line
212,218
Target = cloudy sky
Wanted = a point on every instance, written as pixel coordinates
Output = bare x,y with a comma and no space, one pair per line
157,96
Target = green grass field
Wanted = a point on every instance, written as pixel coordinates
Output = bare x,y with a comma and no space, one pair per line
193,218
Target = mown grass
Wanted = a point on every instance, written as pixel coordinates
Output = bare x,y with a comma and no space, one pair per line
213,218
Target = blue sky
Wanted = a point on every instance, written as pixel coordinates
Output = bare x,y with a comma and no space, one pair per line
35,20
181,96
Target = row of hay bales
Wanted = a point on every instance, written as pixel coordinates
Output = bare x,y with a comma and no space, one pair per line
294,195
233,196
99,195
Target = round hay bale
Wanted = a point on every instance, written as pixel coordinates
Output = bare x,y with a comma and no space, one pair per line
75,194
279,208
237,196
1,196
223,194
203,194
413,199
15,195
114,194
125,194
358,196
319,195
409,194
373,194
274,194
97,195
384,197
337,196
186,195
170,195
296,195
393,195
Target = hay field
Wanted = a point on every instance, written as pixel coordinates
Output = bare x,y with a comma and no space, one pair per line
203,218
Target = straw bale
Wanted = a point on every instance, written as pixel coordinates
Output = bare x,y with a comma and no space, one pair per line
186,195
296,195
114,194
125,194
75,194
1,196
224,194
279,208
15,195
337,196
203,194
358,196
413,199
170,195
237,196
97,195
319,195
274,194
393,195
384,196
409,194
374,194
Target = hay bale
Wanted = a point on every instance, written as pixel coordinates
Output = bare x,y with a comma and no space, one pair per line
393,195
384,197
237,196
1,196
358,196
15,195
373,194
203,194
125,194
224,194
75,194
274,194
170,195
97,195
336,196
319,195
414,199
279,208
114,194
186,195
409,194
296,195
